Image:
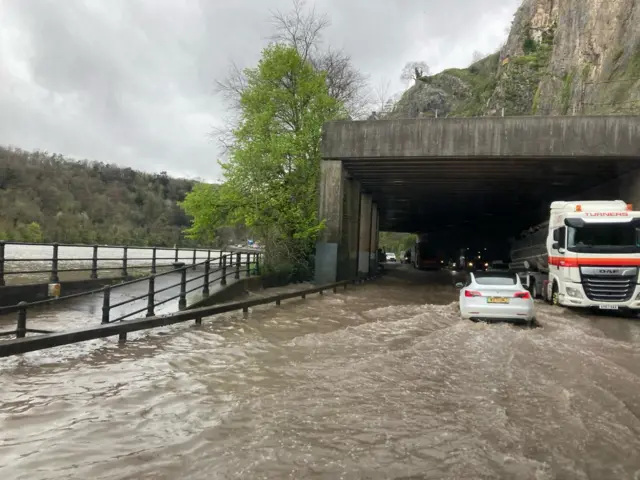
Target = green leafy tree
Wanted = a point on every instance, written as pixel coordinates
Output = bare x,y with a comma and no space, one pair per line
32,233
274,162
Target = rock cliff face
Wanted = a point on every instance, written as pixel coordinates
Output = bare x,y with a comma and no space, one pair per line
562,57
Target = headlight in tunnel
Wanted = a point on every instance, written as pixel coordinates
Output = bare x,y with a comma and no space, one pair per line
574,292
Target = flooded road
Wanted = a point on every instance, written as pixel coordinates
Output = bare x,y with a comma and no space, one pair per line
381,381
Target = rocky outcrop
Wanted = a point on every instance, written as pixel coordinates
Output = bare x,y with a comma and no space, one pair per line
561,57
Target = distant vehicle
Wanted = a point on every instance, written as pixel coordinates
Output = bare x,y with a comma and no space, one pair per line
495,295
498,265
425,257
391,257
586,255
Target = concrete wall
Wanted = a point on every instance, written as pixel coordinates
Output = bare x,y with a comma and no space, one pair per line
364,245
625,187
575,136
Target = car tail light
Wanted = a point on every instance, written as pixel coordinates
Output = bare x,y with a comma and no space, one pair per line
524,295
472,293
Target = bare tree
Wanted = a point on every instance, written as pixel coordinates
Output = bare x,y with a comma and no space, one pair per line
382,100
477,56
414,71
302,29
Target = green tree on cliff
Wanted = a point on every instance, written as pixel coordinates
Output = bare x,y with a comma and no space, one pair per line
274,161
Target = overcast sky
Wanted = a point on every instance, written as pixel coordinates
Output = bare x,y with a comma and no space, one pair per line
131,81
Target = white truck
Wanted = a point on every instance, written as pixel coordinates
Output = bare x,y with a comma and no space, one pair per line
586,255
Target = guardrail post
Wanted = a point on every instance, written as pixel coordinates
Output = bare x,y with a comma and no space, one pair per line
223,278
182,302
220,259
94,262
154,254
205,286
151,296
194,259
21,331
257,264
54,265
106,304
2,244
231,259
238,262
124,262
176,258
248,264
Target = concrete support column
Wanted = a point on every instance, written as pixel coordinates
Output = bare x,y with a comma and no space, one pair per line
348,267
364,247
373,241
331,201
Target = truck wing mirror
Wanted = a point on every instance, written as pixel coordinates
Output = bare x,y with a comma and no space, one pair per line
561,250
555,246
459,285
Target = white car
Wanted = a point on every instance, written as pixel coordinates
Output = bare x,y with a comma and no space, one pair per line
495,295
391,257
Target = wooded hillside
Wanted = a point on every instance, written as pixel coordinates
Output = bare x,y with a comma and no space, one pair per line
44,197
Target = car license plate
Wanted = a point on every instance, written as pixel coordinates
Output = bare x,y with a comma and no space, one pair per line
498,300
608,307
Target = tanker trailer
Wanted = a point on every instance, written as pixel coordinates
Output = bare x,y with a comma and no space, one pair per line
530,258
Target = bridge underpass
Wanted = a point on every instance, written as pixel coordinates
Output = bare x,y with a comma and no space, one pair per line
478,180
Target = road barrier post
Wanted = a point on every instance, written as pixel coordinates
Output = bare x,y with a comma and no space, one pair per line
54,265
151,296
248,264
106,304
205,286
182,302
238,262
223,279
2,244
94,262
194,259
21,331
176,257
124,261
154,255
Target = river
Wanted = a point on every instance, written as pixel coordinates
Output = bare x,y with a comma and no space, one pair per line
383,381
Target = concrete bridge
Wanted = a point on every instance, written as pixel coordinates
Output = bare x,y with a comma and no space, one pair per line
484,177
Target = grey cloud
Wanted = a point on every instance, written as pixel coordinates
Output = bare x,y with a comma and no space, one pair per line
131,81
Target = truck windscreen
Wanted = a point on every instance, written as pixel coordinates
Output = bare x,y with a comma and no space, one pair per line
604,238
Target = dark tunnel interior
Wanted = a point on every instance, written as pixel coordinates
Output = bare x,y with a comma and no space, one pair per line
479,203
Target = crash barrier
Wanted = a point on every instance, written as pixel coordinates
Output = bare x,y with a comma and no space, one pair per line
122,327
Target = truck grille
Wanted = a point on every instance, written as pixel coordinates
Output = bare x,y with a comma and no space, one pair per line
610,288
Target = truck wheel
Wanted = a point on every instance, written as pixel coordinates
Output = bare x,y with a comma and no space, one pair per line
555,295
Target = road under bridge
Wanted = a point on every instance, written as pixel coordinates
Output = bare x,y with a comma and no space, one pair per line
480,179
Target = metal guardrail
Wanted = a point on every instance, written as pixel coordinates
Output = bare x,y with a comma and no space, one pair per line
41,342
228,264
97,262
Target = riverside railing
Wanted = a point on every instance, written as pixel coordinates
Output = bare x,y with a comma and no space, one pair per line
103,258
41,342
230,264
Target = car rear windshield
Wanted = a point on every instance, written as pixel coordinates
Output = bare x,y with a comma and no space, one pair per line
504,279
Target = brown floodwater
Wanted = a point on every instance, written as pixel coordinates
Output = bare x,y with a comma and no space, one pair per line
383,381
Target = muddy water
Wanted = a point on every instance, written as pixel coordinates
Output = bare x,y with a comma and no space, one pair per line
383,381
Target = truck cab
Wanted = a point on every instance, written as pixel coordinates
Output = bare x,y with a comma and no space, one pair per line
593,255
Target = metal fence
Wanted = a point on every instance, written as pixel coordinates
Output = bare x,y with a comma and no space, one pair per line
121,328
123,264
236,264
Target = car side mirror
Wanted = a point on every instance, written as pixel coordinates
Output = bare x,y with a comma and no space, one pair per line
459,285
